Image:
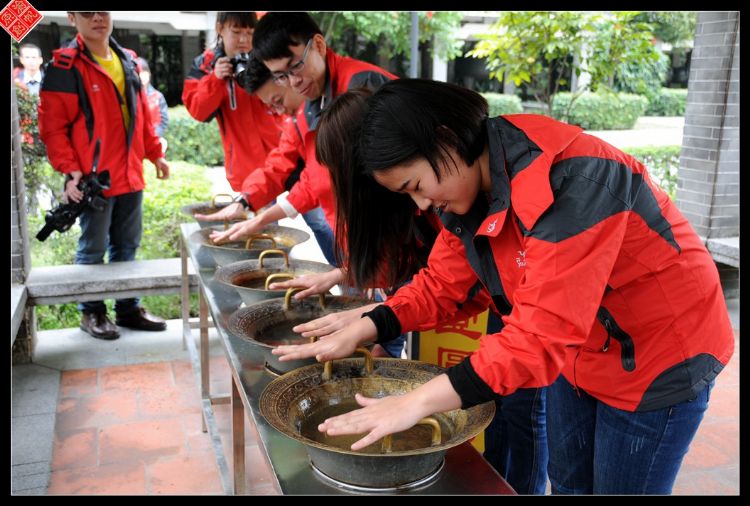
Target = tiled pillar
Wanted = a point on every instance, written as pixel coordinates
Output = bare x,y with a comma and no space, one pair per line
708,179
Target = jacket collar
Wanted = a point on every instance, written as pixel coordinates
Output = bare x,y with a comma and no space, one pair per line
522,148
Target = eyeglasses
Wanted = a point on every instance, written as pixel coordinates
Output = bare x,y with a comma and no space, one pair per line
282,78
89,15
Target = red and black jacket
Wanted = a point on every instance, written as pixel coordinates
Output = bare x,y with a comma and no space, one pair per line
598,274
314,186
248,130
79,103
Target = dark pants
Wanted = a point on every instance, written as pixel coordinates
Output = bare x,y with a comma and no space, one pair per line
598,449
515,442
116,230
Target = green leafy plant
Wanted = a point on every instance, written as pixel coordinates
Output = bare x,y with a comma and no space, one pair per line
667,102
662,162
502,104
193,141
600,111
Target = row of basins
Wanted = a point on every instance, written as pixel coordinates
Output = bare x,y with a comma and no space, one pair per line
304,393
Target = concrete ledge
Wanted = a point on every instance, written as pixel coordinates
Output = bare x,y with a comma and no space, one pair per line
18,297
725,250
74,283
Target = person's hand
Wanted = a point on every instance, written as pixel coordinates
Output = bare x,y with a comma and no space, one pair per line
162,168
388,415
340,344
313,284
378,418
223,68
233,211
241,230
332,322
71,187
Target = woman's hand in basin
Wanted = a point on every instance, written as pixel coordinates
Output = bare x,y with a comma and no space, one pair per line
396,413
340,344
313,284
330,323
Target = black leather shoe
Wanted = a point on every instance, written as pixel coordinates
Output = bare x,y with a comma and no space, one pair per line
140,319
99,326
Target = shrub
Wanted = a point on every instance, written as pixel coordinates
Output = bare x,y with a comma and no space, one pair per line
662,162
668,102
600,111
502,104
193,141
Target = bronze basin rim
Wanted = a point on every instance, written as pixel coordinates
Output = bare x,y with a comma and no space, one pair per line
478,417
293,235
225,274
332,302
191,209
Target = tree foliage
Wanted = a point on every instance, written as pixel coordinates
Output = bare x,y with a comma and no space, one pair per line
350,32
675,27
541,49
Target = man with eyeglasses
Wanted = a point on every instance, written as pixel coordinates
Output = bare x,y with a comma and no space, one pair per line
249,133
293,47
92,93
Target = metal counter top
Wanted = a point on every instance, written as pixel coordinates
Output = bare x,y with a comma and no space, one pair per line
465,470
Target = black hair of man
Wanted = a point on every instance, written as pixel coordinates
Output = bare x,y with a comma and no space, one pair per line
257,74
276,31
29,45
241,19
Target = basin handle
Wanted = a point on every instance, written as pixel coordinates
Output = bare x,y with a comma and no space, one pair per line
278,275
295,289
266,252
328,366
259,237
213,200
436,434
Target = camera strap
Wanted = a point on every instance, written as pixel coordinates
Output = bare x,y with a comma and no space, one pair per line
232,94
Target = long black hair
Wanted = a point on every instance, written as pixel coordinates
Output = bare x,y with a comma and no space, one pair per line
404,120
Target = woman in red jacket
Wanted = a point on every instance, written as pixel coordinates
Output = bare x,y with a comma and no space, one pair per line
608,294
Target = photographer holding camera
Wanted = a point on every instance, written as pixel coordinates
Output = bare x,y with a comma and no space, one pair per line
91,92
214,89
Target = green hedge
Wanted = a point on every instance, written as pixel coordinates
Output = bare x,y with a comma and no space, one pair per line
662,162
502,104
600,111
193,141
668,102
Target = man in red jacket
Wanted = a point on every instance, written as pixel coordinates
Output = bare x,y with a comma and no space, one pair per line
294,49
91,92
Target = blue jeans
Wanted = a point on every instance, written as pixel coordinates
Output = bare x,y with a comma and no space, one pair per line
316,220
598,449
117,230
515,442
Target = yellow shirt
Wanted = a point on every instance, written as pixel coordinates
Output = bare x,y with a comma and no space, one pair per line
113,67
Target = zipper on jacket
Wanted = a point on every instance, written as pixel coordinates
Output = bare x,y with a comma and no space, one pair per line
231,158
627,355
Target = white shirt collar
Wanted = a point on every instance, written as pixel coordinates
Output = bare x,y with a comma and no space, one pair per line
36,77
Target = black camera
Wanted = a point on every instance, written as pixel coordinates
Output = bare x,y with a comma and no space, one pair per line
240,64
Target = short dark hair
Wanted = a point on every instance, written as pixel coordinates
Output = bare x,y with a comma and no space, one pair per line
257,74
29,45
403,120
241,19
276,31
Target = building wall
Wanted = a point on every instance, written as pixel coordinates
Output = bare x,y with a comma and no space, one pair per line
708,182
